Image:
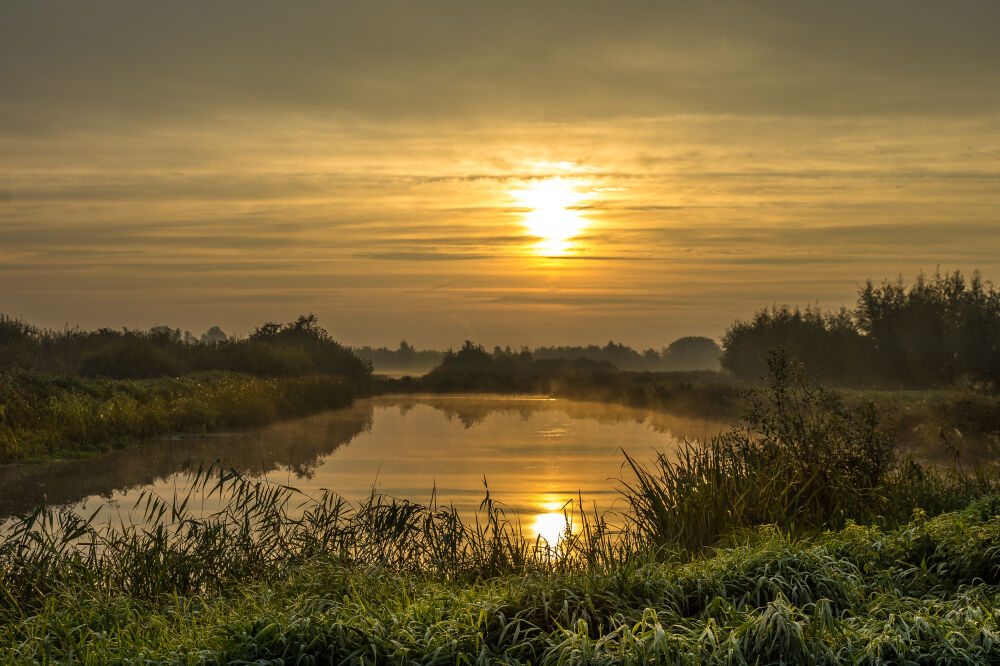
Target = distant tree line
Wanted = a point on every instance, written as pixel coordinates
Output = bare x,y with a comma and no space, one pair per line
937,331
473,365
684,354
403,358
297,348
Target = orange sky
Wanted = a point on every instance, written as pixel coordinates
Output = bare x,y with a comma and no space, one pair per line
191,164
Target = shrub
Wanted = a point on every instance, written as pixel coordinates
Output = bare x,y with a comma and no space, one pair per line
130,358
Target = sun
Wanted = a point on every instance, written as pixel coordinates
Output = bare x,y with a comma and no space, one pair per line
553,216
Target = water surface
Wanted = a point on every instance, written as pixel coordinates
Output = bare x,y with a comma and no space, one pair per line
534,453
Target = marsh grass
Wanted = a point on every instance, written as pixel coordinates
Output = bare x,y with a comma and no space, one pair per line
47,415
224,528
799,459
316,589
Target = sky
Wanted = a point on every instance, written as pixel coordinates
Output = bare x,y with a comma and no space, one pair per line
512,173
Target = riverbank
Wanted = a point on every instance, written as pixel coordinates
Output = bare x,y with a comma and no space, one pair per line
44,416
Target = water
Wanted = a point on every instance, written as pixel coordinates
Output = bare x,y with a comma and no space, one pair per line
535,453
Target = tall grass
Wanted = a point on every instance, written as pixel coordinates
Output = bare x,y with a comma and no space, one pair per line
798,459
324,587
44,415
224,528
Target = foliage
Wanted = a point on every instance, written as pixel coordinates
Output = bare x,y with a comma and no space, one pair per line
403,358
829,344
687,354
473,369
297,348
936,332
692,353
392,582
684,354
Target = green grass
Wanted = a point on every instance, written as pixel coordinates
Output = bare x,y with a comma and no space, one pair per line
956,423
54,415
924,592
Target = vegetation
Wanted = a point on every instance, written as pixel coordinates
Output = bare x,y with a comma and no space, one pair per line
800,536
689,353
704,567
473,369
829,344
799,459
685,354
936,332
74,392
921,593
405,358
43,416
298,348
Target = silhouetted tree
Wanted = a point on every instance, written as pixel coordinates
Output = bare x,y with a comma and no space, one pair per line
692,353
829,345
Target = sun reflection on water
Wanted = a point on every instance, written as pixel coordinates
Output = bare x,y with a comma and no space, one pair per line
551,525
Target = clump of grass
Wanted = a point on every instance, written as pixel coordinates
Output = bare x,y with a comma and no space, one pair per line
799,459
42,415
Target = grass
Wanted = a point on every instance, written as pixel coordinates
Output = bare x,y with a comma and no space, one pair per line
924,591
54,415
799,459
944,424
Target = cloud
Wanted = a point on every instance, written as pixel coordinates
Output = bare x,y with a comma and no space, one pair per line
123,62
420,256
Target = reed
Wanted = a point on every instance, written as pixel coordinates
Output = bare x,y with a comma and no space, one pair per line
48,415
799,459
321,588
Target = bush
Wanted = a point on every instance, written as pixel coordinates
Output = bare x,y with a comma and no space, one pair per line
130,358
298,348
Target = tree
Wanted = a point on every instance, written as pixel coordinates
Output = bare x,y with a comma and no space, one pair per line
692,353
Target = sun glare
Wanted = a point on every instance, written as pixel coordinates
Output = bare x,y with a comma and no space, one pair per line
553,217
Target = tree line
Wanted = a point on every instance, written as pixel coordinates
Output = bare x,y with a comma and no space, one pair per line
684,354
940,330
297,348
